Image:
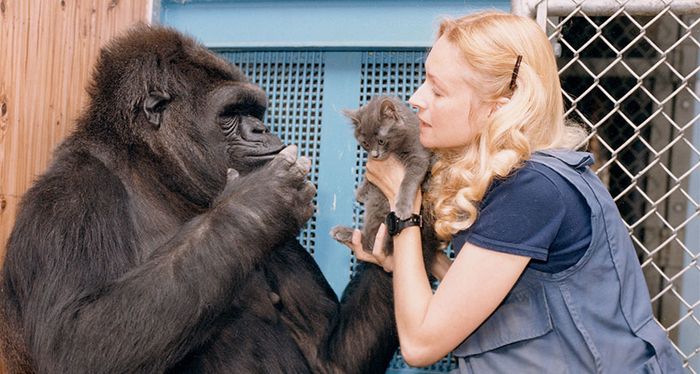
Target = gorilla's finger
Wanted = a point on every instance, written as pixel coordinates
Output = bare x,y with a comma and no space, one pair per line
309,212
308,192
299,170
288,154
232,174
304,163
230,187
304,212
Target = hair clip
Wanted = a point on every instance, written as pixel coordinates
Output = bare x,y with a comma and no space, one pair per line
515,73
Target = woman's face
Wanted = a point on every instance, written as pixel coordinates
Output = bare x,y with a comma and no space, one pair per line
449,109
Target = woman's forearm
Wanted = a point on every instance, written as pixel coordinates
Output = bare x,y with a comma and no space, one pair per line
412,291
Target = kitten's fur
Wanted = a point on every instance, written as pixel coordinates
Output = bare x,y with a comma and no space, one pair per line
386,126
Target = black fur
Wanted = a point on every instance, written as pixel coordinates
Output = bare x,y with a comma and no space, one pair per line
161,238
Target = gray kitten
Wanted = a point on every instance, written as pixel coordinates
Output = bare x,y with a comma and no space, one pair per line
385,126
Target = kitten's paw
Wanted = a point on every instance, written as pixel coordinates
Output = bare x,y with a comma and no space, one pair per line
404,209
342,234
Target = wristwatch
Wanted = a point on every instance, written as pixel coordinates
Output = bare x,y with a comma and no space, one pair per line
394,224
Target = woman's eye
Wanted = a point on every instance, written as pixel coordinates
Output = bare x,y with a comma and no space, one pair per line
437,94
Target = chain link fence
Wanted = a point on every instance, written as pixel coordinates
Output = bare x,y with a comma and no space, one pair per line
629,73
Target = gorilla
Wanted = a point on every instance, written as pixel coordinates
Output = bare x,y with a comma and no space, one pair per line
162,236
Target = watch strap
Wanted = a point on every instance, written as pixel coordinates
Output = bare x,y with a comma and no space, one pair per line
395,225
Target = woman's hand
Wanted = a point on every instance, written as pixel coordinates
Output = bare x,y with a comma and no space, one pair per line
377,257
387,176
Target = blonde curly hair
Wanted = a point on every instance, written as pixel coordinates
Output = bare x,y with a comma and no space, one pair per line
533,118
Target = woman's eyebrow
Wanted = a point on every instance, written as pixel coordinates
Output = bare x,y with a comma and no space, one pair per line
440,84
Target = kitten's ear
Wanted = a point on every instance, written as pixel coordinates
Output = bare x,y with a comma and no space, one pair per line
389,110
352,115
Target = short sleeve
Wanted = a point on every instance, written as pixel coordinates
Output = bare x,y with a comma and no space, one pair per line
520,215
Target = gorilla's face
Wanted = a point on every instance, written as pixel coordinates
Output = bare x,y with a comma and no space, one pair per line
196,114
219,127
230,114
240,109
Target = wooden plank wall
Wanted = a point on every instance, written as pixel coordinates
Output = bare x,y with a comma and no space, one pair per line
47,49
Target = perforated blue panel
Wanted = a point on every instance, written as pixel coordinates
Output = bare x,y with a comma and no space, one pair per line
293,82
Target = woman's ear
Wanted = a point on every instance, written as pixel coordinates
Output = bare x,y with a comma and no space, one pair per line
500,102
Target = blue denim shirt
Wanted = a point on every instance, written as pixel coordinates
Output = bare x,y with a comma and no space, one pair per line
593,317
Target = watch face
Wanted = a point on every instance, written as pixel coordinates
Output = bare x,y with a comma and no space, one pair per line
392,223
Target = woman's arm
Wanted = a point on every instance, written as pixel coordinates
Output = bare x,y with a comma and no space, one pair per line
431,325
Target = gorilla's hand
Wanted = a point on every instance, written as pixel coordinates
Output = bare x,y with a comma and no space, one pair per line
274,200
289,184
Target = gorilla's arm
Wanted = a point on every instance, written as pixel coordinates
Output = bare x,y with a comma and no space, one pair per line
356,336
364,338
91,304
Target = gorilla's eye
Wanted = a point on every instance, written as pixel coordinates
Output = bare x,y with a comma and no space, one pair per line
230,125
244,109
159,107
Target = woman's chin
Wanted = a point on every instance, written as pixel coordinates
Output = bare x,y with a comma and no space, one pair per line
424,141
424,138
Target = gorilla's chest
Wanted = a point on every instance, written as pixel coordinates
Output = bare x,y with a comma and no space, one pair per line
257,298
254,327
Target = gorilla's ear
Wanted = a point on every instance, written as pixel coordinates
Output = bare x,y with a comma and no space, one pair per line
153,107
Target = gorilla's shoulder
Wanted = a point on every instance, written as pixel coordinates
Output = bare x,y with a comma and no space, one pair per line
77,179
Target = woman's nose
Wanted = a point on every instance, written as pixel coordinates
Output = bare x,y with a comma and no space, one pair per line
416,100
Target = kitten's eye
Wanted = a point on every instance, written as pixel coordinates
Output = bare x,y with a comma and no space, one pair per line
381,141
365,144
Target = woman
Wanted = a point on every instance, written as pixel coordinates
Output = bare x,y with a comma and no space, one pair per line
545,278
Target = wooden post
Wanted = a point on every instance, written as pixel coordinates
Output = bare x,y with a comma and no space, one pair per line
47,49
